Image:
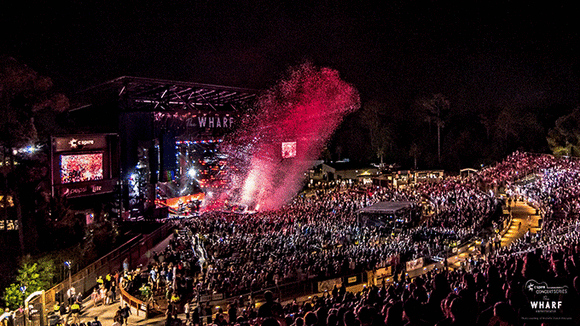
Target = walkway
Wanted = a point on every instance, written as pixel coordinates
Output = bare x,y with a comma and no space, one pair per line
524,214
106,313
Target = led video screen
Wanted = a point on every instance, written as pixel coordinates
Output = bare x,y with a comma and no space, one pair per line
288,149
81,167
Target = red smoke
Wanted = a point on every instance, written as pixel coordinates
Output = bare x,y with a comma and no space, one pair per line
304,108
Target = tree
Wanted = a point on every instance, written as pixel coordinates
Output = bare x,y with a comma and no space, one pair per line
487,123
507,125
564,138
414,152
380,135
34,276
518,129
435,110
24,95
338,151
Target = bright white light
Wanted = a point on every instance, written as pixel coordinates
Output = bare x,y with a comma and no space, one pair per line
28,149
191,172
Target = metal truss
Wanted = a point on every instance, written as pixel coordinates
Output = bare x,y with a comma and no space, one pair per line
157,95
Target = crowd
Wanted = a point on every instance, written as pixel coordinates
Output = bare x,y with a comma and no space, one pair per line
320,236
315,237
488,292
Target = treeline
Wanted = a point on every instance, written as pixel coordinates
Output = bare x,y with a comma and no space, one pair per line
434,132
34,222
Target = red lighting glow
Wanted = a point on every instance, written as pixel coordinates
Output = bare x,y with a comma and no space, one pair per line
307,107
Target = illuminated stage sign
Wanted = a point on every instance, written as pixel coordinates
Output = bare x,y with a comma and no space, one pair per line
211,122
85,189
80,143
84,165
288,149
217,120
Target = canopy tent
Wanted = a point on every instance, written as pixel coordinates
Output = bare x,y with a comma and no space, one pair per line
399,214
387,207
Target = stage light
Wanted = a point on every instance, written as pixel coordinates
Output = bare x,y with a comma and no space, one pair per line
191,172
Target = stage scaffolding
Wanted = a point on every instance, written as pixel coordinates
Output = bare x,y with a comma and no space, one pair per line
154,119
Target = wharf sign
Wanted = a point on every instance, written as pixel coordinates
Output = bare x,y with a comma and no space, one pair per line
199,121
211,122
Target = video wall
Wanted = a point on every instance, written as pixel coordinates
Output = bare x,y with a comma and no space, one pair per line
288,149
81,167
85,164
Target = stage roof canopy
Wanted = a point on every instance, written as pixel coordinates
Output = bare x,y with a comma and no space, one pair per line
158,95
387,207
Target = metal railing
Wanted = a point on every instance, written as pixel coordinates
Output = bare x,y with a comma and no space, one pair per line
140,307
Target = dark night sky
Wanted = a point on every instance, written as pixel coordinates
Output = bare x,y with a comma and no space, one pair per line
492,54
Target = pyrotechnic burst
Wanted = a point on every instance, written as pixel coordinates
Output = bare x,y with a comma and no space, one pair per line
276,143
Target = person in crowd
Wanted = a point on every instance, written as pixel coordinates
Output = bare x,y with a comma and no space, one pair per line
96,322
75,311
125,313
56,308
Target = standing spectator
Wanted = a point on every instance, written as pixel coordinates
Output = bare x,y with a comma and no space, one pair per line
56,308
63,309
126,311
232,313
265,309
95,297
195,317
174,302
71,294
75,310
119,316
186,310
110,296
